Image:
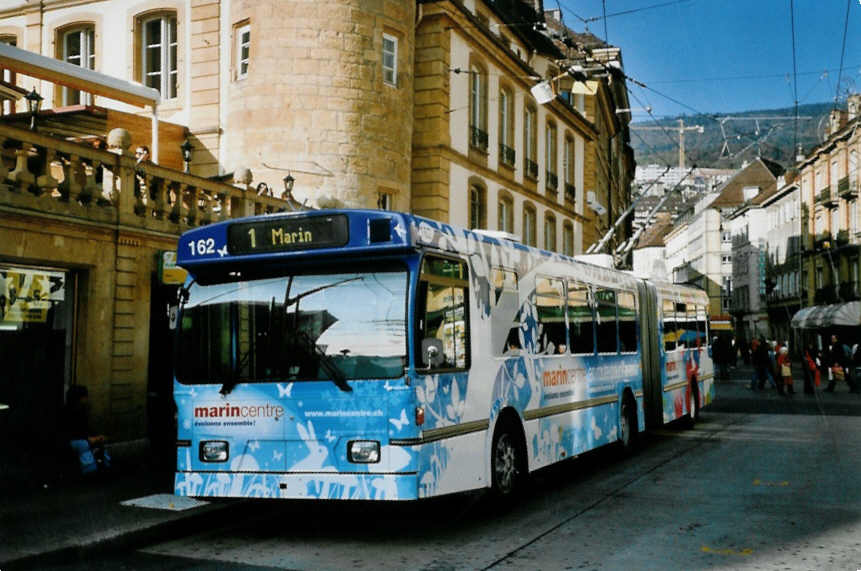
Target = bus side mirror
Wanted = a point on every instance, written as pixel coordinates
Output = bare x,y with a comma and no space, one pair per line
431,352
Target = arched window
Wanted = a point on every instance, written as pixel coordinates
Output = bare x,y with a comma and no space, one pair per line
77,47
568,238
157,38
530,130
477,206
505,213
506,127
8,75
550,162
568,168
529,220
550,232
478,107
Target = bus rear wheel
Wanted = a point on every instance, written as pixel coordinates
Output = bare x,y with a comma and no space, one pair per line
628,425
506,463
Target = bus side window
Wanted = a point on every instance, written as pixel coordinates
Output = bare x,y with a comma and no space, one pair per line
702,330
505,341
669,318
551,316
606,321
580,320
627,321
683,336
443,318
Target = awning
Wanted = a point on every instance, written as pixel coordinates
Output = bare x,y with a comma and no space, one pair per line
820,316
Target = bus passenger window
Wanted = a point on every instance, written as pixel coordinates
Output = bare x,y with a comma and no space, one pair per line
627,322
606,320
505,309
443,317
668,314
580,320
702,330
683,334
551,316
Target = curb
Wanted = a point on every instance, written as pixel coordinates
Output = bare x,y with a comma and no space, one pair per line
200,520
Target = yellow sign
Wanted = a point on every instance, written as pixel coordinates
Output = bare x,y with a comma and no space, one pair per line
26,294
168,270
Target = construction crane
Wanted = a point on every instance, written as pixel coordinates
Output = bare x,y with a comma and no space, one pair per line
681,129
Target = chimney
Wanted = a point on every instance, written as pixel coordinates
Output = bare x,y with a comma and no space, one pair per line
853,105
836,121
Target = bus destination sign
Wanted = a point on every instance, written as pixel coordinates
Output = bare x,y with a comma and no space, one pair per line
288,234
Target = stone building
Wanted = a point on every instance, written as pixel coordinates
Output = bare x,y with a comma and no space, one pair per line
420,106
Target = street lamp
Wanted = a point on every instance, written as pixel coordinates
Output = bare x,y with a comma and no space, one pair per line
186,148
34,102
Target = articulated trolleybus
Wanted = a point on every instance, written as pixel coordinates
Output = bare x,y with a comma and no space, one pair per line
364,354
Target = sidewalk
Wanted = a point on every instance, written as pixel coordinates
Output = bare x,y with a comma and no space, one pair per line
51,515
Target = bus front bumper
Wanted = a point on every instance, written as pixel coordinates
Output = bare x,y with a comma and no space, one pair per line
324,486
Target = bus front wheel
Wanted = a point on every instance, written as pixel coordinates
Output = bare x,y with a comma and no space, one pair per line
506,462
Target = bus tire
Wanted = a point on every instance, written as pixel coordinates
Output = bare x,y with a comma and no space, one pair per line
628,424
694,404
507,462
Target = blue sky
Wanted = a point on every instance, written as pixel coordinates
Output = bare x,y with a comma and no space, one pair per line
723,56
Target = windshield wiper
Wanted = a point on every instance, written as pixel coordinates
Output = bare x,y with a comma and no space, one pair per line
305,341
325,361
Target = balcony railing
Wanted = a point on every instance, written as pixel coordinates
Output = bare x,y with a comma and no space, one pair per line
60,178
849,189
552,182
507,155
478,138
530,168
570,193
827,198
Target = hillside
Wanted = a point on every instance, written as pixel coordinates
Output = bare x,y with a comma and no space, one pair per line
739,140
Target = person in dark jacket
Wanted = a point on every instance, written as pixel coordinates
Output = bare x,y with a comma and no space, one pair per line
840,359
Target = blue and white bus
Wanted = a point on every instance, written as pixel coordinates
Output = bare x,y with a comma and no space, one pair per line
364,354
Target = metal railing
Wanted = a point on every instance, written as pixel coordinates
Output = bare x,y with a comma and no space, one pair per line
478,138
531,168
506,155
62,178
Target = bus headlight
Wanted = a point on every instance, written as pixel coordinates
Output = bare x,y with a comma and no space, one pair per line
363,451
214,451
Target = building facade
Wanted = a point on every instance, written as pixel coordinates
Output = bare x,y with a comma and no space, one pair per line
831,234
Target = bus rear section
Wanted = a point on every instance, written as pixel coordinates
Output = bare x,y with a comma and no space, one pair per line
291,383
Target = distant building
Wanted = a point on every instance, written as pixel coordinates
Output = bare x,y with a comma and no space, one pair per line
698,249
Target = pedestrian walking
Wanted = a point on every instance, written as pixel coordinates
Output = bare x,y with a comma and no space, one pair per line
840,365
812,377
784,365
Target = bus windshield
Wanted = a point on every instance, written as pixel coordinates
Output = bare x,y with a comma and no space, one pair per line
297,327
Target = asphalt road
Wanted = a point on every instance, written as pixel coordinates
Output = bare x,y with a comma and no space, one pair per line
763,482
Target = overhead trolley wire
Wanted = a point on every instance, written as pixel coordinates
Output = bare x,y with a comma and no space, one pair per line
842,52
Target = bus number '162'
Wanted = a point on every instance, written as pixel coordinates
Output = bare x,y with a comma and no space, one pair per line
201,247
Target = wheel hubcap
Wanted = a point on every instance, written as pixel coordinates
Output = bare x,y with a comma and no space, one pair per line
626,427
505,464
